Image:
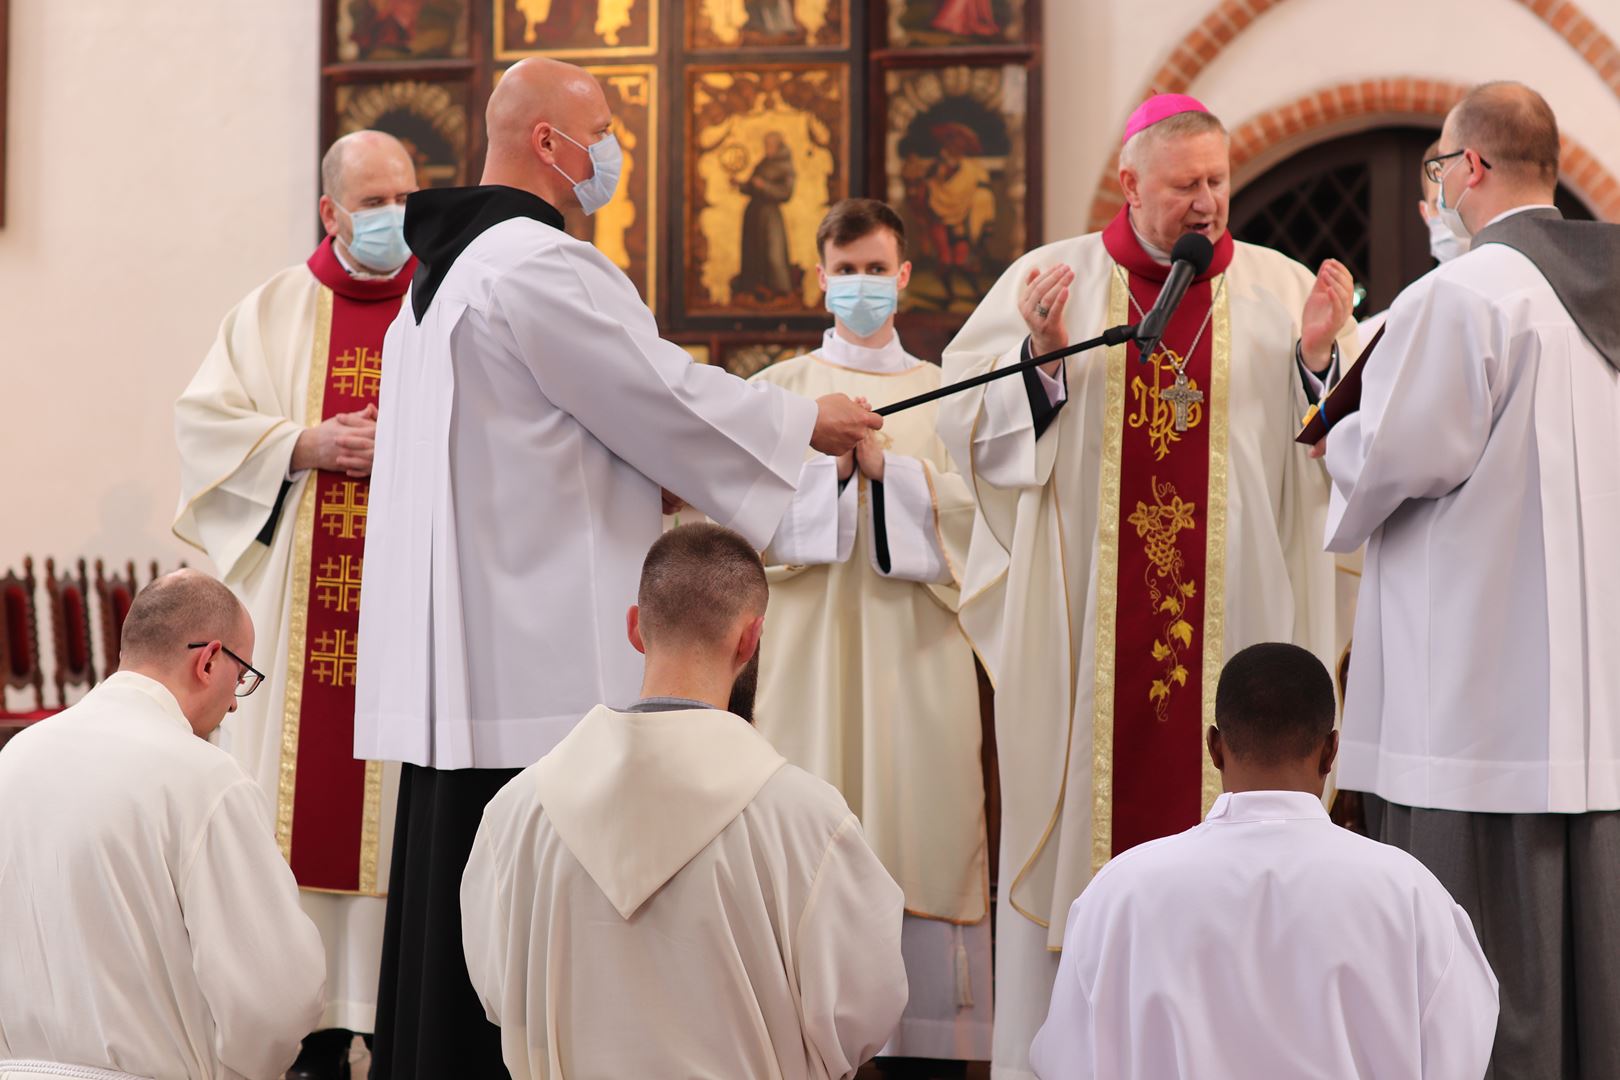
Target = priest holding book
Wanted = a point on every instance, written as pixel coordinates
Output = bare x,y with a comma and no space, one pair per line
1137,522
1482,470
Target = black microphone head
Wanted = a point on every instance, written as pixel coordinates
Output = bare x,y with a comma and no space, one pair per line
1194,248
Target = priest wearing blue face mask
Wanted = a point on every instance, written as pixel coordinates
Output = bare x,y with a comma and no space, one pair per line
277,425
531,416
867,680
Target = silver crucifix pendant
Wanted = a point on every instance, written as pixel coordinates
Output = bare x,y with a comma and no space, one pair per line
1182,397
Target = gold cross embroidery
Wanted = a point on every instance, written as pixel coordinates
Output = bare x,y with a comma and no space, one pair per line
332,658
343,511
337,583
357,373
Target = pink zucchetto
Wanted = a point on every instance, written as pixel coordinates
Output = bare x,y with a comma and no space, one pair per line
1160,107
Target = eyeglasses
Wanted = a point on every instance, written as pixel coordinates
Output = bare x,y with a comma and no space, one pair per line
1431,167
251,677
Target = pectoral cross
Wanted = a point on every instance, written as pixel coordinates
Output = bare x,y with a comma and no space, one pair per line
1181,397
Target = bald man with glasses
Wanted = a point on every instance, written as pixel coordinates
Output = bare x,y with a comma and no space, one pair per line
149,926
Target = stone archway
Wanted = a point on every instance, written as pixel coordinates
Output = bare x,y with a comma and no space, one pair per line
1345,108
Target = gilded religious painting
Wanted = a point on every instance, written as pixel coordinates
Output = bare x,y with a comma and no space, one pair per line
575,28
924,23
766,155
430,118
954,164
729,24
401,29
746,358
626,229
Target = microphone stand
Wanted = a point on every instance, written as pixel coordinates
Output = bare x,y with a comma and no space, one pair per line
1114,335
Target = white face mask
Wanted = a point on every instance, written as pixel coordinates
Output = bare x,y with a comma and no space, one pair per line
1442,244
1448,214
607,161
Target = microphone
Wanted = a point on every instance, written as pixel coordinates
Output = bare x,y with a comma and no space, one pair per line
1190,257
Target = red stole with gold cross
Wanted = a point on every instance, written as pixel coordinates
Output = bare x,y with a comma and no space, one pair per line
1161,566
329,804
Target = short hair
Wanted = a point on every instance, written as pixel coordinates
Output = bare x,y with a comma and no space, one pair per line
332,171
851,219
174,611
1274,704
1511,126
1171,127
695,582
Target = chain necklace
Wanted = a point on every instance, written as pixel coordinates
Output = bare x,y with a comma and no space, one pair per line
1181,395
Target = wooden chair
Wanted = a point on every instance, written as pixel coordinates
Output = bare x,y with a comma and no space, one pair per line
19,641
114,594
69,599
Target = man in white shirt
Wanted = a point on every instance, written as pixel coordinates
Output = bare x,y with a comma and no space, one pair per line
1482,472
530,418
663,895
1268,942
149,926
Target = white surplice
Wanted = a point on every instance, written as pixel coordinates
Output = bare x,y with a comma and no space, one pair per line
148,923
1268,942
867,681
663,895
1483,473
526,426
1029,594
236,424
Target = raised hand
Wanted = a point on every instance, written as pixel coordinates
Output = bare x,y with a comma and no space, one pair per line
1042,303
841,423
1327,307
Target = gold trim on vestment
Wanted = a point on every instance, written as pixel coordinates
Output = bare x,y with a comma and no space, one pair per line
939,530
1220,369
1107,578
371,828
835,365
298,605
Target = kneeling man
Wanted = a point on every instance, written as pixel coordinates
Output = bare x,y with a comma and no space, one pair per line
662,894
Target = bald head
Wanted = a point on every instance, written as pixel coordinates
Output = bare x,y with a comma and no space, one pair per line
540,118
1510,126
174,611
366,163
697,584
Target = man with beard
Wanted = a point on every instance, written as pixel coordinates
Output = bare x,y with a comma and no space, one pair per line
664,871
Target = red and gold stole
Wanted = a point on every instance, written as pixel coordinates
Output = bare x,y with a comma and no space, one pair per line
1161,560
328,804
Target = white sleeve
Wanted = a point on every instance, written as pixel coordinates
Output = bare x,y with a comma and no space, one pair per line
819,526
1057,391
1004,443
258,959
852,980
732,450
1064,1047
1458,1024
909,524
1425,415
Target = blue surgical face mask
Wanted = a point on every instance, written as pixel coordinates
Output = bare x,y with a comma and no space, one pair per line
607,161
379,238
863,302
1442,244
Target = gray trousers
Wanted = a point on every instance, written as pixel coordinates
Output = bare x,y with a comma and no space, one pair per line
1543,891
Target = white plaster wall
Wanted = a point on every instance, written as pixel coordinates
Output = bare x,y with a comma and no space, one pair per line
160,164
1099,54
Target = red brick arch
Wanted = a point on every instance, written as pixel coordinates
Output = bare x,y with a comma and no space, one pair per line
1315,117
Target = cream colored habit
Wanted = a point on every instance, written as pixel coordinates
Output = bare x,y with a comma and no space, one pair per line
867,681
148,924
1029,589
662,895
236,423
